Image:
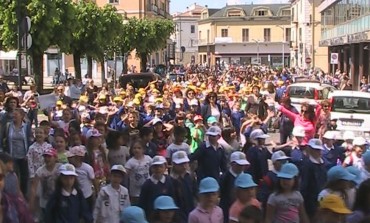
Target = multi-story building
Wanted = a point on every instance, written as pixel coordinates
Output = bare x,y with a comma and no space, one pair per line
245,34
306,32
186,34
346,31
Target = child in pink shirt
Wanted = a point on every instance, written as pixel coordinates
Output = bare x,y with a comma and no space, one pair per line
245,196
207,210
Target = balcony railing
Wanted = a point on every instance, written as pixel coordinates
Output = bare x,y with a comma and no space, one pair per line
359,25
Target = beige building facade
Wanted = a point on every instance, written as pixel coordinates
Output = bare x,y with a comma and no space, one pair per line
245,34
306,51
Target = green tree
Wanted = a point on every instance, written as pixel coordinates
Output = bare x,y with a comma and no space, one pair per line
147,36
51,21
96,32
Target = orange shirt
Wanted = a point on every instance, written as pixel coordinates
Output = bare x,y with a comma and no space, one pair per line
237,207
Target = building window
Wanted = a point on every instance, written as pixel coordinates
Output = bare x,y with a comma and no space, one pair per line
245,35
300,34
200,35
113,1
288,33
261,13
208,36
224,32
267,35
285,12
234,13
192,29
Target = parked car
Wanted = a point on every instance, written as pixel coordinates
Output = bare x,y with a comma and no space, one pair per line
351,109
139,80
308,91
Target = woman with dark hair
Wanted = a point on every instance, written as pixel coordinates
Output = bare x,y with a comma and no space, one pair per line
6,115
286,125
211,108
307,118
190,99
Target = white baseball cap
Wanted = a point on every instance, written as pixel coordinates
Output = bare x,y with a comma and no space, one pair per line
359,141
329,135
158,160
214,131
258,134
298,131
193,102
67,170
157,120
93,133
180,157
118,168
347,135
279,155
239,158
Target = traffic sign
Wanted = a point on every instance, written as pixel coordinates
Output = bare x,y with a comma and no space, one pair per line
334,58
308,60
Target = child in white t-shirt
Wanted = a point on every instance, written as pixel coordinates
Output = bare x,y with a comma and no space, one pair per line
138,170
179,134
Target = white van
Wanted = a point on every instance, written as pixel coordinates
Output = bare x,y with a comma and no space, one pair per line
351,109
308,91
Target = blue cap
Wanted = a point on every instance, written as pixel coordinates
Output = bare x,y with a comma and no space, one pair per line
355,171
208,185
164,203
366,157
244,180
288,171
133,214
340,173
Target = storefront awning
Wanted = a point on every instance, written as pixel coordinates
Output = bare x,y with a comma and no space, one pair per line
10,55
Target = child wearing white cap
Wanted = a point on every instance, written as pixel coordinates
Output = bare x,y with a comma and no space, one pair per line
238,164
184,183
269,181
112,199
355,157
67,204
158,184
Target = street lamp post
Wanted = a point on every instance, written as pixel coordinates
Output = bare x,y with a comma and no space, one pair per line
258,50
283,45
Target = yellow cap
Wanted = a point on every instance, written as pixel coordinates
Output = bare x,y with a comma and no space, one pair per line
102,96
203,85
136,101
334,203
84,98
122,93
117,99
59,102
138,96
155,91
158,100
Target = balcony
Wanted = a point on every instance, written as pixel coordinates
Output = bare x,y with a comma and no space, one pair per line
355,26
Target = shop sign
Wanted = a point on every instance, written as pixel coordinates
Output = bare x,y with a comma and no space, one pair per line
358,37
337,41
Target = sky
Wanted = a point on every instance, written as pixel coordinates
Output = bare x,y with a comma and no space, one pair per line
180,5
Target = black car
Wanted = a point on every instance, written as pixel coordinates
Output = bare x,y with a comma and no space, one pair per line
139,80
